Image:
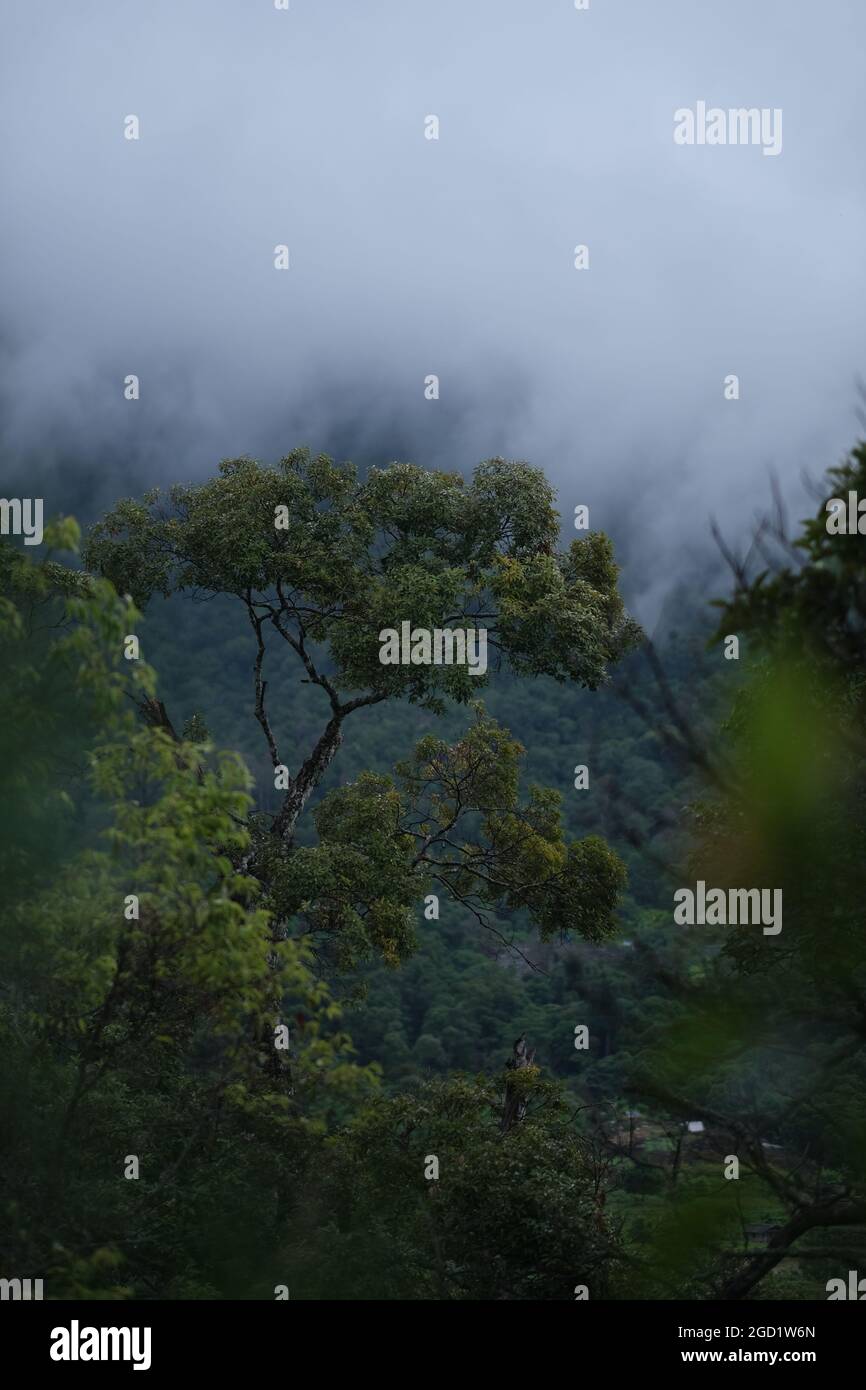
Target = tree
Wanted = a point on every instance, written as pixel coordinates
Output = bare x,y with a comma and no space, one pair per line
502,1216
323,564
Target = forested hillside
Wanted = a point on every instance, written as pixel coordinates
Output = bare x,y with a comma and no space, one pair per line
416,1019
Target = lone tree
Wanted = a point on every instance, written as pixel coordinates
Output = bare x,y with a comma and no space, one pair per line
322,563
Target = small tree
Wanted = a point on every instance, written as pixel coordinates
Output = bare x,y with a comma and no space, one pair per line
512,1215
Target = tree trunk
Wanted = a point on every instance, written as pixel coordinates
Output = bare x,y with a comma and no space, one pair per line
308,778
513,1106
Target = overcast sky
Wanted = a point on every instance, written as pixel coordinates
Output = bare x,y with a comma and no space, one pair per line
455,257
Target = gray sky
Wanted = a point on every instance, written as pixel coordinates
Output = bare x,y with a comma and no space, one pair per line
454,257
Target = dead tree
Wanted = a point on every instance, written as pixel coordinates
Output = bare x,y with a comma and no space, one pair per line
514,1105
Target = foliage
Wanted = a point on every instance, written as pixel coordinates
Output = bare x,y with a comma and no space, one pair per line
510,1216
152,1034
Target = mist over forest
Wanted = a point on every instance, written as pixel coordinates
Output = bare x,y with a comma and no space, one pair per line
452,257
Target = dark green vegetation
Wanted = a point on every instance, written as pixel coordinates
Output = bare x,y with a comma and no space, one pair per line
153,1035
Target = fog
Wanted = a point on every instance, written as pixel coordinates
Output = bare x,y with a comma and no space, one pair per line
455,257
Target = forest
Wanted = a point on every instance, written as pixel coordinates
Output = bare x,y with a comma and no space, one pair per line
332,979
